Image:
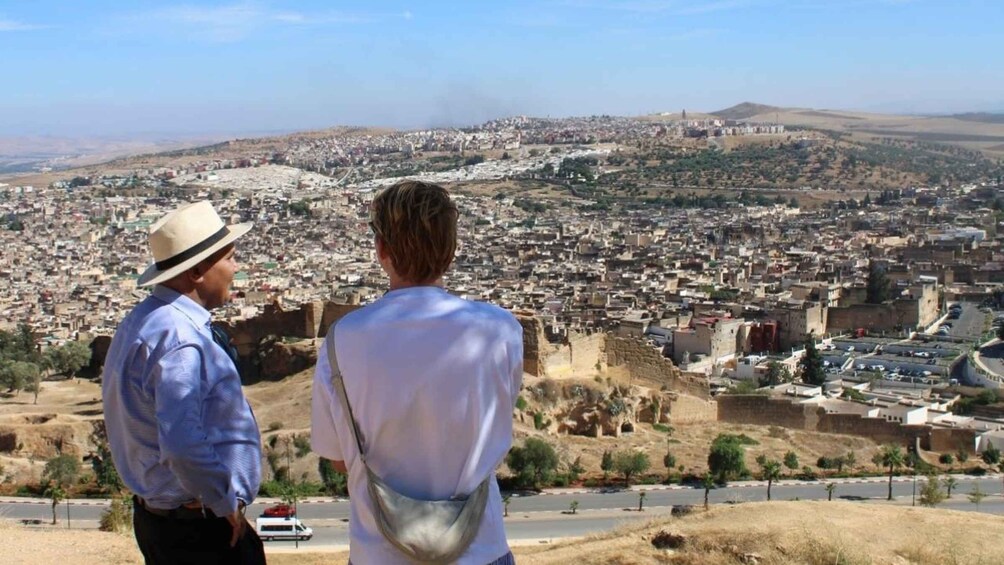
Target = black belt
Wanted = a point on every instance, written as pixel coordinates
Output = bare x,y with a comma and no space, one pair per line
179,513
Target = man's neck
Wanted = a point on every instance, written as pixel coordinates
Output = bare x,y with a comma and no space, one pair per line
191,293
398,283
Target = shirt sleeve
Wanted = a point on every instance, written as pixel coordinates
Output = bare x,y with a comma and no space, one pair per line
323,431
184,444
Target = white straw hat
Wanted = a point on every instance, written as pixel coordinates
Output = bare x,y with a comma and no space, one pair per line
184,237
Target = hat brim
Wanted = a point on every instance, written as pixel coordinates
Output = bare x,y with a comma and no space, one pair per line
152,275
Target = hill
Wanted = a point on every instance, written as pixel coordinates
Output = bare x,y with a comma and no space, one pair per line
765,533
745,110
984,117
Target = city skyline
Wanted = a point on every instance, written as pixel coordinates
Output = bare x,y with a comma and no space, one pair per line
111,68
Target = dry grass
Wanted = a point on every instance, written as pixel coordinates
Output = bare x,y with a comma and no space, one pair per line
775,533
811,533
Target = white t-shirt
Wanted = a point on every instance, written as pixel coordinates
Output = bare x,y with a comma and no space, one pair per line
432,380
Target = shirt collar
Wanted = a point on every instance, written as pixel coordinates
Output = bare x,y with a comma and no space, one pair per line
183,304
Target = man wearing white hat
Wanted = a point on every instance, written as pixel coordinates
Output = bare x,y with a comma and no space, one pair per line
181,433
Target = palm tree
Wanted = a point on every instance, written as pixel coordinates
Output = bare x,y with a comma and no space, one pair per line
830,487
708,483
950,483
892,457
771,472
56,493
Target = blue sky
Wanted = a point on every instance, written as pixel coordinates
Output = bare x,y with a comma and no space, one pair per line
143,67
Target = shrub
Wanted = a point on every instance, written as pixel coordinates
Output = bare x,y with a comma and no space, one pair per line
663,428
946,459
118,516
274,426
520,403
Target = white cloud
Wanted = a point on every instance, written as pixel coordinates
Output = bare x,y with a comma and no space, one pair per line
237,21
11,25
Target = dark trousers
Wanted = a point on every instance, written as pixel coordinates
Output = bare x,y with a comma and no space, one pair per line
193,541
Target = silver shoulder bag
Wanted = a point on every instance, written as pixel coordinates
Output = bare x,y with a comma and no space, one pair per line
427,531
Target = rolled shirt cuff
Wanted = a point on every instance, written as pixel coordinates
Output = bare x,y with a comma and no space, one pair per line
224,506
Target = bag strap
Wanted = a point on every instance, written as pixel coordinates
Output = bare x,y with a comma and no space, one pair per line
339,383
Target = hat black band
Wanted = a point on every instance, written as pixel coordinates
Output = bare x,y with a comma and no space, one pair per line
187,254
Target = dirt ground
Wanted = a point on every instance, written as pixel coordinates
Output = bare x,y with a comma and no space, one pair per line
70,409
767,533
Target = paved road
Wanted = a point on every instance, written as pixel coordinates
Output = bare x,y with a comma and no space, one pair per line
970,325
993,357
545,516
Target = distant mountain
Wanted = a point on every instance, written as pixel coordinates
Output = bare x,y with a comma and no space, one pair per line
745,110
985,117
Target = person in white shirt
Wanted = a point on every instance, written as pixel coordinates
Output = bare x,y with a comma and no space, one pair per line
431,379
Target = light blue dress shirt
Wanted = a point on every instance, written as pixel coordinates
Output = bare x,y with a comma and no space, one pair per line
178,425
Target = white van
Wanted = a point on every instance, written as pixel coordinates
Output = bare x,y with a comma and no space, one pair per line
282,528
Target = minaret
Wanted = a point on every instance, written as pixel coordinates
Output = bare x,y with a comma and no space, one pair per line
684,114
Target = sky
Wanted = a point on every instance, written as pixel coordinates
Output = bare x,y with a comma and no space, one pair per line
146,68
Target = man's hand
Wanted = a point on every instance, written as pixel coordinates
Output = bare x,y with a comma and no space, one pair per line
238,523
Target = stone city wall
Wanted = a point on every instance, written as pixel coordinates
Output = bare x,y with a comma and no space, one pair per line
764,411
579,357
647,364
687,409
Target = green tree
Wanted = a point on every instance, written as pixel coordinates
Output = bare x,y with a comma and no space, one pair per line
890,456
669,461
991,455
62,470
708,482
776,374
771,471
607,464
630,462
830,487
976,495
811,364
56,494
68,358
726,458
931,494
641,501
791,461
334,481
105,473
573,506
962,455
506,500
19,375
877,290
950,483
534,463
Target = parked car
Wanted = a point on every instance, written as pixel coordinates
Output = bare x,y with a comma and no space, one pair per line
279,511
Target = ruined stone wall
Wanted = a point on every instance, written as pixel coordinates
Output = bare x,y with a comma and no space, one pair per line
647,364
535,346
950,440
588,351
877,429
876,317
762,410
687,409
332,313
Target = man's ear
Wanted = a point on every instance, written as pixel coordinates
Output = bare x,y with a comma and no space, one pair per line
195,274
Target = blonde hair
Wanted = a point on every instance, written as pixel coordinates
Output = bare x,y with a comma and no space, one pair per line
417,223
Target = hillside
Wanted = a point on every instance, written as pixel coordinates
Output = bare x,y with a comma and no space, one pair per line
766,533
745,110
